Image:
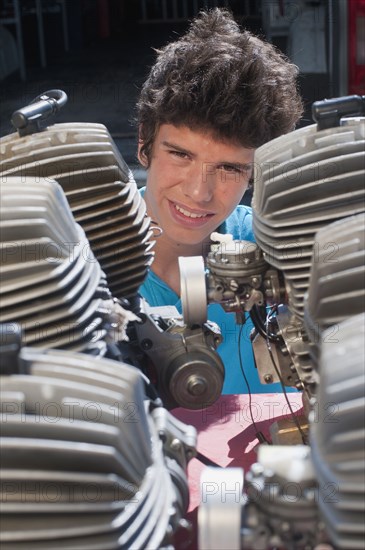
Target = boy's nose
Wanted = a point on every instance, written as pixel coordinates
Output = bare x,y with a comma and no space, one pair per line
200,182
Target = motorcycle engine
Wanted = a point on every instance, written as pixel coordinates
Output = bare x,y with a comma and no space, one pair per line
88,370
308,306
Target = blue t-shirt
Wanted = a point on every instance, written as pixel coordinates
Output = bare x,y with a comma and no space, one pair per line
158,293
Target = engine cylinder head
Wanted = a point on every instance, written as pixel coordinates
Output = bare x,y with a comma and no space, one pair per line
337,433
101,191
82,461
304,181
336,289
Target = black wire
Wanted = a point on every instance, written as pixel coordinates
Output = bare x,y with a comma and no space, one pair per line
207,461
258,434
283,387
260,325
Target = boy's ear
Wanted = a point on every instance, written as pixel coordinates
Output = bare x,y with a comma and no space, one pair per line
141,157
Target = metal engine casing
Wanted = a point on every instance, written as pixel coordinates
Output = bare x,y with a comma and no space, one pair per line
308,209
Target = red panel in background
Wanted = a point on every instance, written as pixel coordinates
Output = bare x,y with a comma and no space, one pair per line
226,436
103,18
356,46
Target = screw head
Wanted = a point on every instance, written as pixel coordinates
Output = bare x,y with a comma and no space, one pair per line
146,344
268,378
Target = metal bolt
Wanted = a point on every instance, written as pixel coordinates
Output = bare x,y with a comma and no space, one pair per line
186,525
189,454
146,344
268,378
175,444
233,285
196,385
310,494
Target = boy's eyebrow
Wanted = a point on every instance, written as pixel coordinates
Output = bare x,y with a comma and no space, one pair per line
240,165
177,147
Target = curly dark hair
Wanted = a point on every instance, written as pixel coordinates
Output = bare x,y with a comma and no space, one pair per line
223,80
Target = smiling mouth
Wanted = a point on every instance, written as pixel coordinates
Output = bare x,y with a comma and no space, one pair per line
189,214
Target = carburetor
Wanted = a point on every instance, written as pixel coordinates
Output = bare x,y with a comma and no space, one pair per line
239,276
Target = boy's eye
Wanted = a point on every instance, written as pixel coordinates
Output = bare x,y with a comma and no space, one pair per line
179,154
231,169
244,171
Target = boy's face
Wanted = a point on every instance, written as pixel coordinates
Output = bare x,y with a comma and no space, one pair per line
194,182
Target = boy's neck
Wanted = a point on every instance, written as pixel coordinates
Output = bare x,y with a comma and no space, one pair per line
166,265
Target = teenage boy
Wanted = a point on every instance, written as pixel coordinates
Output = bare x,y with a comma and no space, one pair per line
211,98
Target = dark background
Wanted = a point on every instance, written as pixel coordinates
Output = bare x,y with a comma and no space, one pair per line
110,50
